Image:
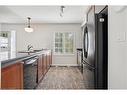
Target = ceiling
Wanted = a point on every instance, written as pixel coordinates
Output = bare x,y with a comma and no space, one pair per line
42,14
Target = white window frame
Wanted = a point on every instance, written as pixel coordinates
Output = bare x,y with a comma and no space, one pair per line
64,44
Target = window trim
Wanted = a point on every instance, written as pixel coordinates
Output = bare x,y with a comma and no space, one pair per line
64,41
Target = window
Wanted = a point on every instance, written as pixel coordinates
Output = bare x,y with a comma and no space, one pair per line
64,43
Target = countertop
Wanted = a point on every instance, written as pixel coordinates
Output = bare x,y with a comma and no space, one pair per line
79,49
9,58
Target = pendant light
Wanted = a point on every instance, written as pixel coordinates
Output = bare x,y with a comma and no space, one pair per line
28,28
62,10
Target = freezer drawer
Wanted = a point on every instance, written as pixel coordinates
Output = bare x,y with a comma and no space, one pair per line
88,76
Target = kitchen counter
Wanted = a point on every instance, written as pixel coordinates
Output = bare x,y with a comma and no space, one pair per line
17,75
79,49
15,57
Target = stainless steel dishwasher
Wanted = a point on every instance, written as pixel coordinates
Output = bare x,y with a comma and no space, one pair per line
30,73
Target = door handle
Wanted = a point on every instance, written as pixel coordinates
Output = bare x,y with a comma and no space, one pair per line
101,19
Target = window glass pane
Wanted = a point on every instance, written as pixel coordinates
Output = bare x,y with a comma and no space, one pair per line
60,50
56,50
60,45
56,39
64,42
68,42
56,44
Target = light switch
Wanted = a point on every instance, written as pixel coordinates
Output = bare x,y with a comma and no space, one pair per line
121,36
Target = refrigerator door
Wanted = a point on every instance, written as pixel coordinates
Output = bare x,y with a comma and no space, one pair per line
89,40
101,63
88,75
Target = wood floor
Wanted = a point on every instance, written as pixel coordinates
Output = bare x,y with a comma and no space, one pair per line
62,78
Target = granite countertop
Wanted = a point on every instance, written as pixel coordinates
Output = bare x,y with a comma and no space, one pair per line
9,58
79,49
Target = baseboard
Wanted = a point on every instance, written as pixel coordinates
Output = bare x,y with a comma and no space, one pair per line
64,64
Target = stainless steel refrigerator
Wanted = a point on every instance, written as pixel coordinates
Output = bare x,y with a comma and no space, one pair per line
95,49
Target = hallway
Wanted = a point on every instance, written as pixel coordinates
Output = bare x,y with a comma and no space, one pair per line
62,78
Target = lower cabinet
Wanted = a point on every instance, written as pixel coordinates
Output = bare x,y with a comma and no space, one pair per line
44,63
40,67
48,60
12,77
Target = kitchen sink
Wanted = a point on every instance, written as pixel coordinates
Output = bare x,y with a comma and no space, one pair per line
37,50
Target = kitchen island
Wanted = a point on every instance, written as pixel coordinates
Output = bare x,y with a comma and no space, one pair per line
12,68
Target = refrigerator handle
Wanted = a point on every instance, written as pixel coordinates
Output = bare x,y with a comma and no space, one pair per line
101,19
87,41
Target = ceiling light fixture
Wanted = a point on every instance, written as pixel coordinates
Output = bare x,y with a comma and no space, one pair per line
28,28
61,10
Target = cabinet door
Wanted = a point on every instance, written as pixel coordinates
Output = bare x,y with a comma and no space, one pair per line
40,68
44,63
12,77
50,58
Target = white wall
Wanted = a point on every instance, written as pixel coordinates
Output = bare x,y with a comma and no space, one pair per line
0,26
0,61
42,37
117,65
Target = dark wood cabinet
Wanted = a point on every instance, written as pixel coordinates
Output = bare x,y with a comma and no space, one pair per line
12,77
48,60
44,62
40,67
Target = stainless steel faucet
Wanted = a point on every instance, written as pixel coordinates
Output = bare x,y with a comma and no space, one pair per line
29,47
